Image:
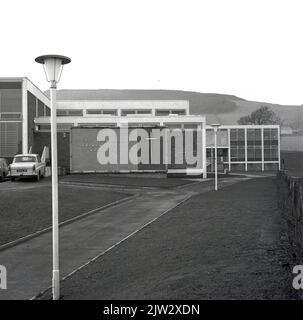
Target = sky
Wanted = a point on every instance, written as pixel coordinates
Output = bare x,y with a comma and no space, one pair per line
249,48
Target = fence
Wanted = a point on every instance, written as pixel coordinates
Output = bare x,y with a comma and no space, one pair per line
290,200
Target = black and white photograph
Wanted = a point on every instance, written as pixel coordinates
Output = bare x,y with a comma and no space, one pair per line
151,155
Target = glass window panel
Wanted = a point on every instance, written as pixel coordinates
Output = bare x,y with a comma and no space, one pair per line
222,138
179,112
93,111
142,111
40,109
127,112
110,112
162,112
241,134
10,100
75,112
241,154
241,143
274,134
258,135
266,134
61,112
10,138
233,134
251,134
9,116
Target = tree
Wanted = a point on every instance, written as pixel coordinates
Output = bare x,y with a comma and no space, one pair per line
263,115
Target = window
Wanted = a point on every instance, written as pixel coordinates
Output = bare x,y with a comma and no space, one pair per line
21,159
237,154
254,152
110,112
75,112
10,100
271,150
69,112
10,115
142,111
93,111
61,112
237,145
127,112
162,112
180,112
40,109
44,127
10,138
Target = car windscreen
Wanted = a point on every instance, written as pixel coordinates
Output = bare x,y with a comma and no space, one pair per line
24,159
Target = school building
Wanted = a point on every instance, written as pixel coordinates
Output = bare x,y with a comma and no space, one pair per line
25,126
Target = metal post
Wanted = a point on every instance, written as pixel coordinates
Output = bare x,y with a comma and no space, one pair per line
216,160
56,274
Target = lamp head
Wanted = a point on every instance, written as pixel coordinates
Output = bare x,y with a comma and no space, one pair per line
216,126
53,65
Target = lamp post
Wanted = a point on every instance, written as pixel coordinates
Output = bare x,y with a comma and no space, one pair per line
216,126
53,65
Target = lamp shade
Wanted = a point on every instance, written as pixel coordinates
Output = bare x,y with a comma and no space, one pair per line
53,65
216,125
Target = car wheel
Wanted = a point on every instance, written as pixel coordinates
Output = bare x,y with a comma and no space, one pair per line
13,178
38,176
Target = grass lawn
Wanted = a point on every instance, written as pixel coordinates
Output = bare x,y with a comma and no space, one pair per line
293,162
26,211
127,180
216,245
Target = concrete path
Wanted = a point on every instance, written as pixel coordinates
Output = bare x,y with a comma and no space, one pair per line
29,264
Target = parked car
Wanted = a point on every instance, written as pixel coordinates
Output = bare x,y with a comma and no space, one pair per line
27,165
3,169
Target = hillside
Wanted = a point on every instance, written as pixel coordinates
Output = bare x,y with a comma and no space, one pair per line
223,108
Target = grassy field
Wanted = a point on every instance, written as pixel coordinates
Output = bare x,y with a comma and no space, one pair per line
293,162
25,211
217,245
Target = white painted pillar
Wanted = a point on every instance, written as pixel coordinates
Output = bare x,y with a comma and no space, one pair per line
279,152
204,160
55,218
245,145
229,151
24,117
216,161
262,147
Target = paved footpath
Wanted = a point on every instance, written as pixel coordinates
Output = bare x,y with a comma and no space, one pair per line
29,264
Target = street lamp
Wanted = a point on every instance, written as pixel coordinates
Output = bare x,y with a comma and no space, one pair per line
216,126
53,65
